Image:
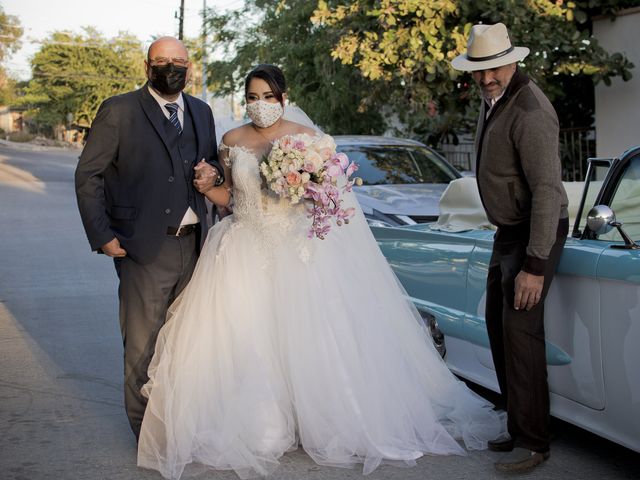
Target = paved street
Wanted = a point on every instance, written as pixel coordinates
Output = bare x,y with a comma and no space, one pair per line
61,412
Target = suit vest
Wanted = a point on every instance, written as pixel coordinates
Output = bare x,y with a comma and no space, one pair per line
184,148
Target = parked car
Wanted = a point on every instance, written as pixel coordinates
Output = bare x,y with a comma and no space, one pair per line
402,179
592,313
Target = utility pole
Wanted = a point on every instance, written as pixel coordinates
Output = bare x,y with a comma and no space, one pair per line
204,51
181,24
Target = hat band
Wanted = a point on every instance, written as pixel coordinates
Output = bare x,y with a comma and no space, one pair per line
490,57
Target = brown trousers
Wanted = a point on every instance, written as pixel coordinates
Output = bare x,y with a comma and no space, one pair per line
517,337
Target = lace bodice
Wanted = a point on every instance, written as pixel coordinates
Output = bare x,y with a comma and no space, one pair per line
252,202
256,207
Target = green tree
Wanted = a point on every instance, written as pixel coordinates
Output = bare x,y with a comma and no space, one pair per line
8,87
10,33
333,94
74,73
406,46
361,66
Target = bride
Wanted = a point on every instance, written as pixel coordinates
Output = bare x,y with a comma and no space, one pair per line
281,340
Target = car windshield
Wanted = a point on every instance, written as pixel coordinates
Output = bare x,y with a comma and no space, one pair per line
398,164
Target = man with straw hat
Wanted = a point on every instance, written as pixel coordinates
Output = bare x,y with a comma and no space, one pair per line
518,173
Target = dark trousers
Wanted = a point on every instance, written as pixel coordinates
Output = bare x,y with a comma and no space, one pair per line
145,293
517,337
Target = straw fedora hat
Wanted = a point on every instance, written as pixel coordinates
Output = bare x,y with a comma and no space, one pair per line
488,47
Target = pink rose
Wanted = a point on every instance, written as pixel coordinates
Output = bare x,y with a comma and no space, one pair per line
294,179
286,144
279,186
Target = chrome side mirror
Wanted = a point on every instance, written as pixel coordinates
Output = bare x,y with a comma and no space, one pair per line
600,218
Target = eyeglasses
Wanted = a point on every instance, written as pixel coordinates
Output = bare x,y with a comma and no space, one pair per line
161,61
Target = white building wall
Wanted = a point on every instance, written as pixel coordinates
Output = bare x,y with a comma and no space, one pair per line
6,119
618,106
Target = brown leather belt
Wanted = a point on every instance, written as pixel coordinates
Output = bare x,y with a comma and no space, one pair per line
182,231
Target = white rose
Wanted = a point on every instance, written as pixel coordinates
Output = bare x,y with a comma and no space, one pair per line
316,159
325,141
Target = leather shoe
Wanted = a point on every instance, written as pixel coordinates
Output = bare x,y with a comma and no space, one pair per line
521,460
501,444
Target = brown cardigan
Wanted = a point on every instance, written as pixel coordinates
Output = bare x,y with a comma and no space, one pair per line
518,167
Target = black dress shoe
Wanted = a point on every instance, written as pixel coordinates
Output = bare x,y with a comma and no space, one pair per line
501,444
521,460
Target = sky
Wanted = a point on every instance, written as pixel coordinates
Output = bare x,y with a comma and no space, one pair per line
142,18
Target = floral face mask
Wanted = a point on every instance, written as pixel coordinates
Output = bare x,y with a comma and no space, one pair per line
264,114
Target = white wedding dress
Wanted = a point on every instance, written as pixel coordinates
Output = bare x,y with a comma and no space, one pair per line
280,340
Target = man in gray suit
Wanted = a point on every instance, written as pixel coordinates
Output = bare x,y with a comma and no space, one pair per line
148,157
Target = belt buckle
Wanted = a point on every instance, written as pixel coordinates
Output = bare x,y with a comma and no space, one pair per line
184,230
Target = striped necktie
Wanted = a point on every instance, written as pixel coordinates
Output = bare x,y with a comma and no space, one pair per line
172,108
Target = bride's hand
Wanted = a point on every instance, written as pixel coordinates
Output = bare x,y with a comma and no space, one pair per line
205,176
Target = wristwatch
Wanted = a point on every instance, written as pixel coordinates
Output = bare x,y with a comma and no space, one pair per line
219,179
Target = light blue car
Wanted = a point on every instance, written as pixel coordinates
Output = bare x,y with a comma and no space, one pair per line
592,313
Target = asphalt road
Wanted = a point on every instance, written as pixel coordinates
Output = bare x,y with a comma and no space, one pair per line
61,410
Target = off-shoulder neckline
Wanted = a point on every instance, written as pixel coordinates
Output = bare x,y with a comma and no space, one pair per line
316,135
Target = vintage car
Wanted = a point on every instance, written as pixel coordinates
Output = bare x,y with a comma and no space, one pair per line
592,313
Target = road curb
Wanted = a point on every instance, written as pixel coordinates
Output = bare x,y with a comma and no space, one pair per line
36,148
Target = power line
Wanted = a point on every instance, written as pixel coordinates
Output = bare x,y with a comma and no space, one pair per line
71,75
92,76
15,65
14,25
106,43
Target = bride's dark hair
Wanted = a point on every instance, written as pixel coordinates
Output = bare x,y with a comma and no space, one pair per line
270,74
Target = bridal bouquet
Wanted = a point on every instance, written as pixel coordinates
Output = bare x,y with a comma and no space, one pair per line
306,168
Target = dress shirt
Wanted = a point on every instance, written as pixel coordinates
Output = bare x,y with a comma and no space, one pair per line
491,102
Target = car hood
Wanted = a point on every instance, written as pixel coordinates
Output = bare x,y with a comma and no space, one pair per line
420,199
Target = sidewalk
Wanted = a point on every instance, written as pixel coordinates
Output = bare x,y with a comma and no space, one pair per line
34,147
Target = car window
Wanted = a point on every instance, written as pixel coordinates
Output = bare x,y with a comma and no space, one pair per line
396,164
626,203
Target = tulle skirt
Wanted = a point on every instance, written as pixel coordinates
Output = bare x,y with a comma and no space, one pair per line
279,340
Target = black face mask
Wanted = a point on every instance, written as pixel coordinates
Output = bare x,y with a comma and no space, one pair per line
168,79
